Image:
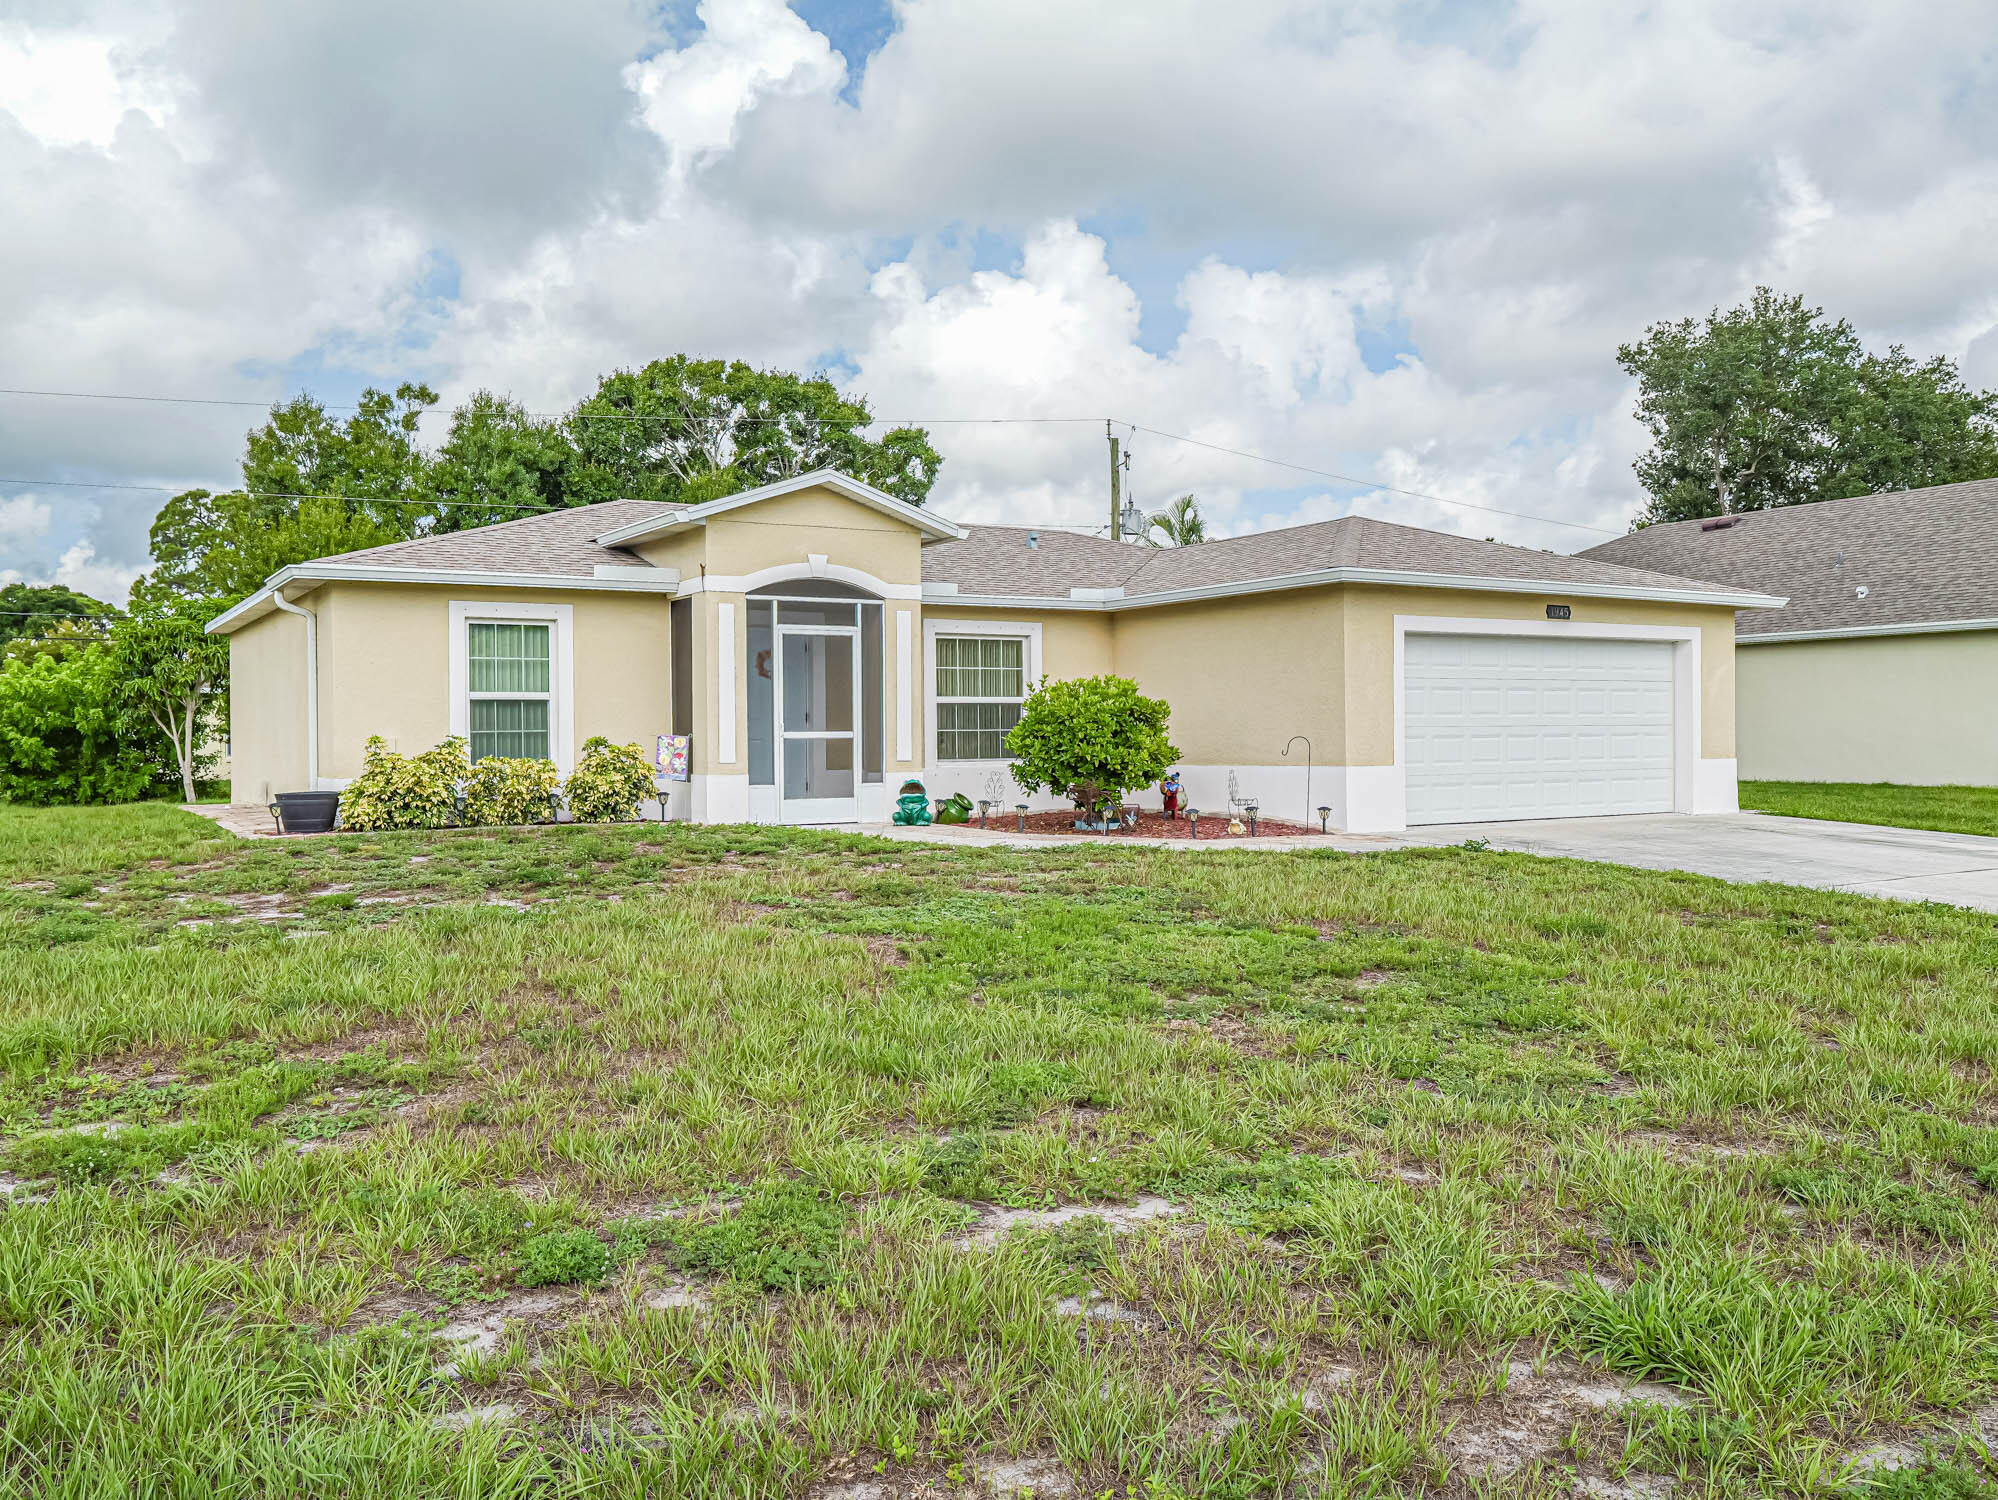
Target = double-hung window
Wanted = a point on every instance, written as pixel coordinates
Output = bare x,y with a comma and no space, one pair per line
981,682
510,688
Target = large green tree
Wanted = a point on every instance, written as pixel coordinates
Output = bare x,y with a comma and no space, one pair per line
699,428
32,610
1773,404
679,429
498,463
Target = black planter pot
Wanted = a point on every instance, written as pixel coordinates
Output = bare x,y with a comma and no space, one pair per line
305,812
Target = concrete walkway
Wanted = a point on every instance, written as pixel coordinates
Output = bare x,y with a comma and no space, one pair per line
1908,864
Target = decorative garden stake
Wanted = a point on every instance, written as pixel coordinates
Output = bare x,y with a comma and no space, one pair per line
1307,768
1324,819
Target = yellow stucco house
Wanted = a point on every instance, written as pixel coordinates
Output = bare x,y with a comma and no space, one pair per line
821,642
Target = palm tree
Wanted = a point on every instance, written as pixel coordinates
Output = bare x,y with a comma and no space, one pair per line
1179,525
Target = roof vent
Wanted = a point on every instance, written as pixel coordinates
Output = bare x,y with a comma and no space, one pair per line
1718,523
1033,539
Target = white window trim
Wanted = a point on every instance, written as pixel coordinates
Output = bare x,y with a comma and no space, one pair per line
561,669
1024,630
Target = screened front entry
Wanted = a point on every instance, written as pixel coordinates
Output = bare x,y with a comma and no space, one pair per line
815,700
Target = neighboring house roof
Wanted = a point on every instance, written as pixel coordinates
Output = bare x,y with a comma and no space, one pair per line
1900,563
1091,571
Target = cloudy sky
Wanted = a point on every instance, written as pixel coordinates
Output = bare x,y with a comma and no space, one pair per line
1395,241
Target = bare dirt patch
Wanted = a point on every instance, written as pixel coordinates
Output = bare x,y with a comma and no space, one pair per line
1530,1419
994,1224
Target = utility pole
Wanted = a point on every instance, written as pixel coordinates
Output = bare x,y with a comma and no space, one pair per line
1116,485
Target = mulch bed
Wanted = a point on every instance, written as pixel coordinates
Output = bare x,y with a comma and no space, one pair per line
1151,825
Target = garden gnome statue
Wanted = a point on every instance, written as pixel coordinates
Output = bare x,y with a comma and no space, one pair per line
1170,788
912,804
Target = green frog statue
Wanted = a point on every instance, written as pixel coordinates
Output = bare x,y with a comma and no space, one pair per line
912,804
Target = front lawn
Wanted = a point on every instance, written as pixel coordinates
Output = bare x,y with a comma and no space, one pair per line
1948,809
750,1162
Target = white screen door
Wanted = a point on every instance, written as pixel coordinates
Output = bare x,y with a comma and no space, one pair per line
818,691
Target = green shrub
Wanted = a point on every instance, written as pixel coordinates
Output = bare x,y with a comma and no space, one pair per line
609,782
960,1168
395,791
1932,1481
562,1257
1091,738
93,1156
500,791
786,1238
64,738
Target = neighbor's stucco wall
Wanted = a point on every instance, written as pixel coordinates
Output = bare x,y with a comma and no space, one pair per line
1917,709
1369,654
1242,674
267,708
385,665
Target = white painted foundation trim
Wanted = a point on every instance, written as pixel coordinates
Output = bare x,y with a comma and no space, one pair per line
1684,639
763,578
905,686
1716,788
719,799
725,682
561,669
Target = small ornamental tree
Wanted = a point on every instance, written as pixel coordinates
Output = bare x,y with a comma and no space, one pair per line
1091,738
169,672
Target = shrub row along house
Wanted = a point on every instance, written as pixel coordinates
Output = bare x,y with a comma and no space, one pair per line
821,642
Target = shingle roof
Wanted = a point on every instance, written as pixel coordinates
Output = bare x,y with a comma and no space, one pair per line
1921,556
997,560
560,542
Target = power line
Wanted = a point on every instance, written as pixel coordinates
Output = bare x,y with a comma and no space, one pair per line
1371,484
167,489
572,415
756,421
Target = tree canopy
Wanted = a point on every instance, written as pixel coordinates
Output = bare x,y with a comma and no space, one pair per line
1773,404
677,429
33,610
1180,524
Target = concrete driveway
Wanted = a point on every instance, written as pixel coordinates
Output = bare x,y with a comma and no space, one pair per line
1907,864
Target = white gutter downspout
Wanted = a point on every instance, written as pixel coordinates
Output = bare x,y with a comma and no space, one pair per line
311,685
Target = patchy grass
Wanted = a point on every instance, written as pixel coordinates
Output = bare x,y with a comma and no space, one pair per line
1947,809
753,1162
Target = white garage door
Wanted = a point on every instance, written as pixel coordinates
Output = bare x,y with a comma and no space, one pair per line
1529,727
